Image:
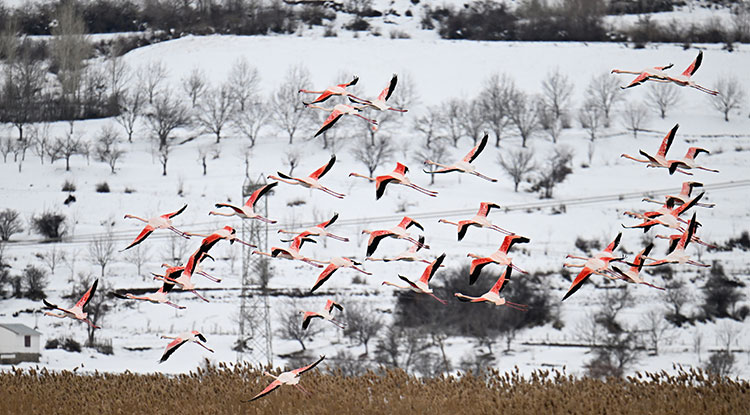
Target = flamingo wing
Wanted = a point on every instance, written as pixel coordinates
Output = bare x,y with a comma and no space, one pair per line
87,296
477,149
578,281
260,192
511,240
406,222
695,65
171,347
485,207
432,269
51,306
463,226
173,214
408,281
380,183
329,222
317,174
330,305
692,202
643,77
270,388
141,236
667,142
304,369
613,245
638,261
308,317
401,169
375,239
388,91
328,123
476,268
324,276
234,208
322,97
500,284
688,235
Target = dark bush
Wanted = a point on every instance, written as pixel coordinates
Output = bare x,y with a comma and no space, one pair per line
52,344
71,345
741,242
34,282
68,186
105,16
357,24
721,295
481,20
720,363
49,224
10,223
313,15
102,187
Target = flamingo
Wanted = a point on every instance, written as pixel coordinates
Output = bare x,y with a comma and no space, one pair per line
655,73
190,336
493,295
694,238
76,312
398,232
598,264
688,162
670,218
480,220
422,285
338,111
292,252
311,181
499,257
464,165
660,159
380,102
179,276
319,230
684,195
632,275
247,210
677,246
334,264
286,378
397,176
410,255
159,297
208,242
684,79
158,222
198,268
339,89
326,314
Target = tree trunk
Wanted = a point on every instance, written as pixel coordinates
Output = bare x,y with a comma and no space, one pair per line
67,163
164,168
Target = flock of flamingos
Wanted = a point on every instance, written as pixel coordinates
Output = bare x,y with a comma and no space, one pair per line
668,215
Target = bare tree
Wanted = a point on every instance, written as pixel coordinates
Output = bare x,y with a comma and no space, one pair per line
102,251
244,80
163,155
131,108
731,95
176,249
70,48
428,124
138,256
435,152
517,164
657,329
250,120
663,97
291,326
151,77
634,117
547,121
165,116
7,146
495,97
10,223
215,110
523,115
39,138
107,148
557,91
675,297
118,75
289,114
22,86
52,258
373,156
604,91
472,120
34,281
99,305
591,118
727,333
194,85
451,117
362,325
292,157
556,168
66,147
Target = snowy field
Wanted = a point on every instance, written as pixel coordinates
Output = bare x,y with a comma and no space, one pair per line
438,70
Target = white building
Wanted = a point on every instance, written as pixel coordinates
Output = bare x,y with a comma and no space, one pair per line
18,343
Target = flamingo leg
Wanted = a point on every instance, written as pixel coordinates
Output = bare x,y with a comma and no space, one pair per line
566,265
204,346
91,324
212,278
200,296
362,271
266,220
298,386
416,242
698,264
518,269
179,232
501,230
439,299
337,323
338,238
653,286
484,177
367,119
332,193
397,109
311,262
246,243
515,306
169,303
423,190
707,169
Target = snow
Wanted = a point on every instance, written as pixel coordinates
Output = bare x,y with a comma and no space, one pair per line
438,70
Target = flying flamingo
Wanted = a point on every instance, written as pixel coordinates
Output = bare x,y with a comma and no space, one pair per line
76,312
286,378
398,232
397,176
670,219
422,285
339,89
319,230
688,162
493,295
676,253
598,264
338,111
380,102
464,165
198,269
410,255
499,257
684,79
246,211
632,275
326,314
480,220
660,158
191,336
180,277
655,73
158,222
684,195
694,238
334,264
292,252
159,297
311,181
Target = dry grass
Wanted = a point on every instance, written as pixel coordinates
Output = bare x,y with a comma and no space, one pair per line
221,390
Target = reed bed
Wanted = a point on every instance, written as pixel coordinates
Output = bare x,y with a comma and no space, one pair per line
222,389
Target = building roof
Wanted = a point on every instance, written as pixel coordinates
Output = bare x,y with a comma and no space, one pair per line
20,329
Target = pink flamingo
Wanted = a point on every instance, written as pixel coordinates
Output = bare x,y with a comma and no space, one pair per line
247,210
292,252
190,336
319,230
632,275
326,314
76,312
479,220
684,79
493,295
339,89
334,264
464,165
291,377
655,73
598,264
499,257
338,111
677,246
311,181
688,162
380,103
159,222
159,297
422,286
398,232
397,176
410,255
660,158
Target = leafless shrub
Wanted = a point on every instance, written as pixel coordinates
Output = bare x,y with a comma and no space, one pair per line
243,81
657,329
151,78
731,95
49,224
495,98
131,108
215,109
52,258
472,120
591,118
634,117
10,223
556,92
291,326
250,120
429,124
518,164
166,115
102,251
66,147
362,325
554,170
451,117
34,280
289,115
138,256
663,97
523,114
107,149
292,157
604,91
373,156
